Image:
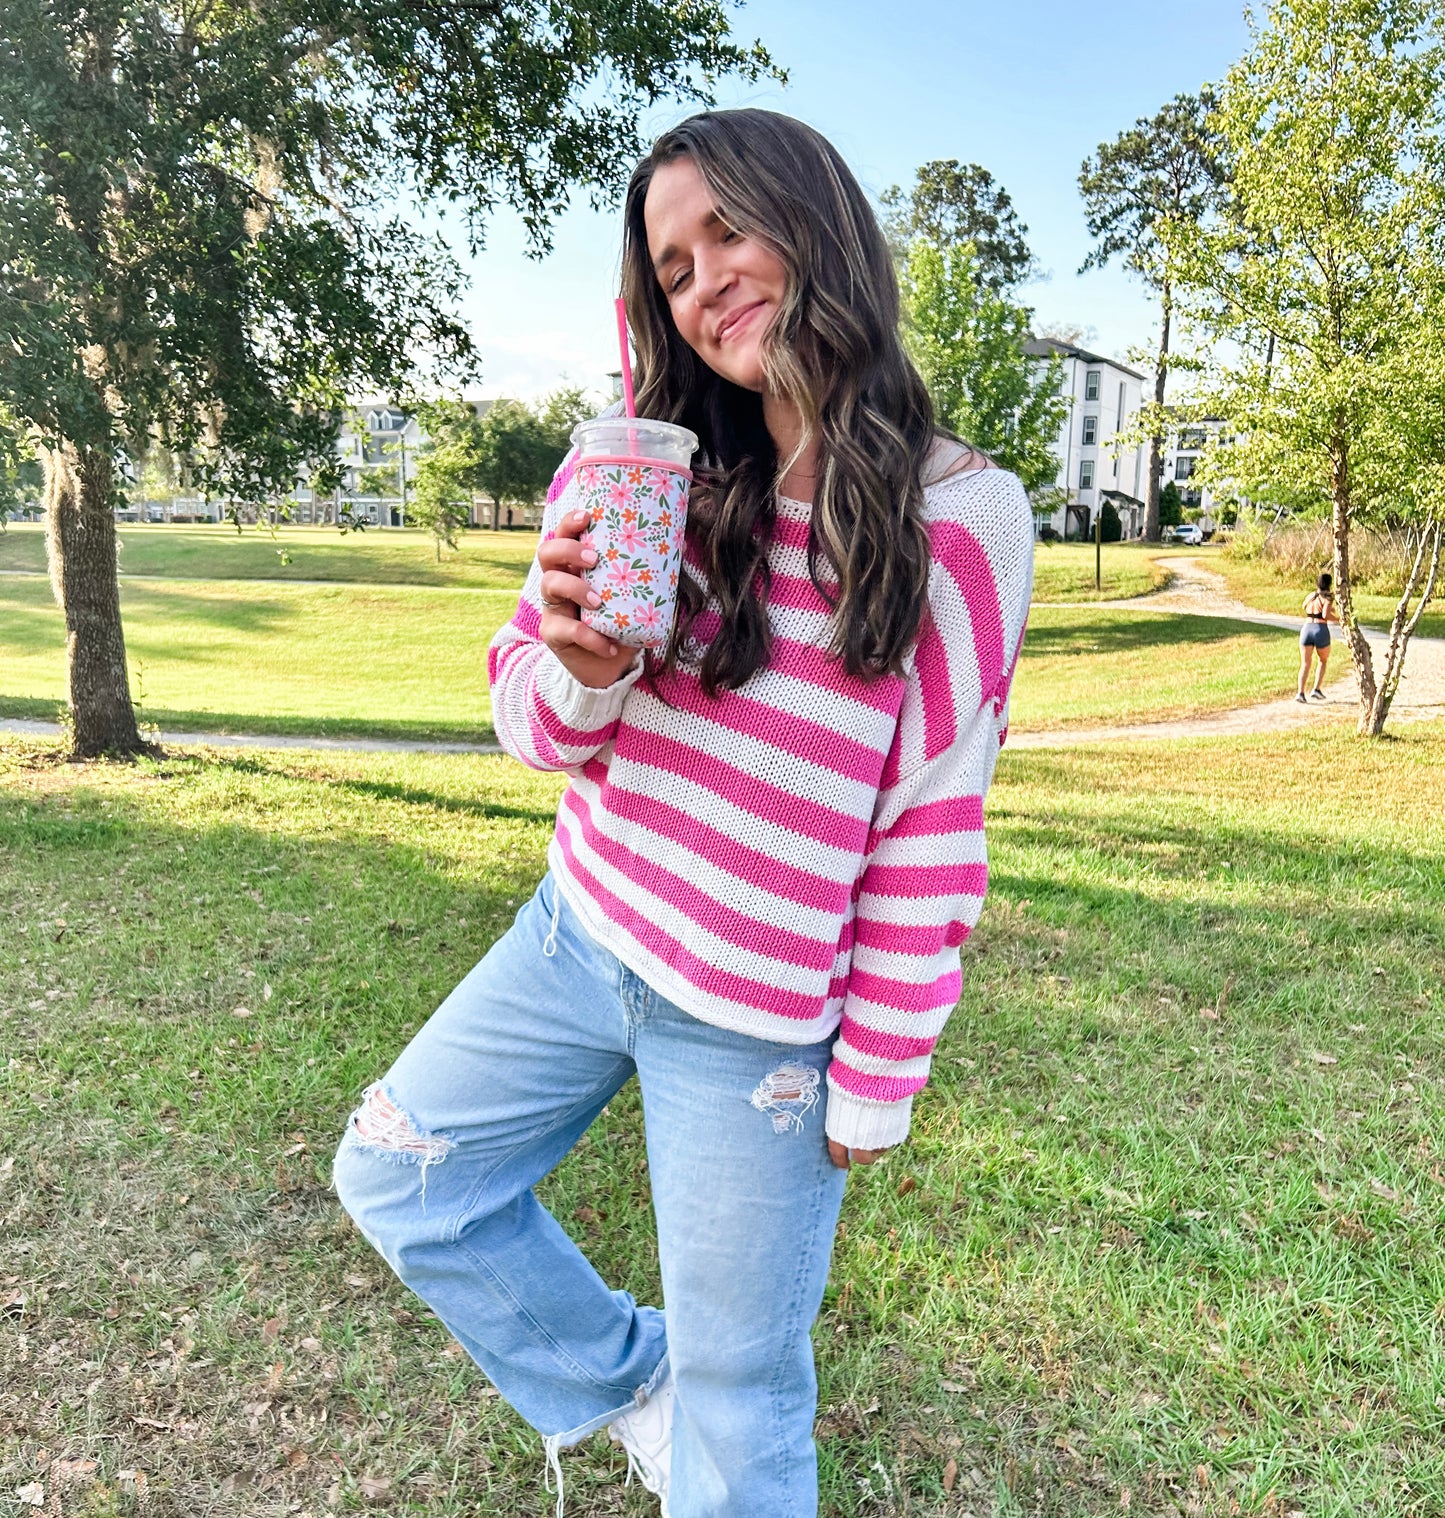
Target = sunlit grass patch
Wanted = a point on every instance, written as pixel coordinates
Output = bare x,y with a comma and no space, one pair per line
391,661
1093,666
393,556
1255,582
1065,572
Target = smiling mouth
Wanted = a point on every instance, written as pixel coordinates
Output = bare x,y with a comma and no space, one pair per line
736,320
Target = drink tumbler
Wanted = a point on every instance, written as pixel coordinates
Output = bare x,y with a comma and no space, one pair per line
633,476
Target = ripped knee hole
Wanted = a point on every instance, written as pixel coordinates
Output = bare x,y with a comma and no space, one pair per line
787,1095
379,1123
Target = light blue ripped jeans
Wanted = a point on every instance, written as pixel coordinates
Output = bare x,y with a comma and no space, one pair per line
489,1096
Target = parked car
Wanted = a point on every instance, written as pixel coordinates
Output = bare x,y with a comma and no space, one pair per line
1191,533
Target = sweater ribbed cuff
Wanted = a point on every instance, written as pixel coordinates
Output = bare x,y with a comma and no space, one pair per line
584,707
861,1124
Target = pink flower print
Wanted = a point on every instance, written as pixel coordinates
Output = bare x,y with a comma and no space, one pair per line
622,576
587,476
658,481
619,494
649,617
629,540
586,540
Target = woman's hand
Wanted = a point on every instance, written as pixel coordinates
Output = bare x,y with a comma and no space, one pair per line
845,1158
591,657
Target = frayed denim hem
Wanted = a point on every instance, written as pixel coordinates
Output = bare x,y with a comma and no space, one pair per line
554,1444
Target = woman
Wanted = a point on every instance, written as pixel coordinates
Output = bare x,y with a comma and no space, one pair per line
1314,637
767,856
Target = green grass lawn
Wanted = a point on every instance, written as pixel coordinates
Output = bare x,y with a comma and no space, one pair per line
1255,583
397,556
486,560
1065,572
410,661
1087,667
389,661
1166,1238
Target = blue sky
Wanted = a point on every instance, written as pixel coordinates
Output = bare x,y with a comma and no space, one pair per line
1026,89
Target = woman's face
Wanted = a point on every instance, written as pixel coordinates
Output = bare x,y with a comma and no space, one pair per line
724,289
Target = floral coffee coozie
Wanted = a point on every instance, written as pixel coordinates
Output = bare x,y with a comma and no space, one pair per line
638,507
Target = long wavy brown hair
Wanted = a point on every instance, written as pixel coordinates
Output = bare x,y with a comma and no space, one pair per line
834,351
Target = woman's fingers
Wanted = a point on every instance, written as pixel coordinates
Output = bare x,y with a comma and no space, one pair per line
562,590
572,526
845,1158
593,657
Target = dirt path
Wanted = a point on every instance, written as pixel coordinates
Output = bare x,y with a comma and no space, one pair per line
1197,590
1194,590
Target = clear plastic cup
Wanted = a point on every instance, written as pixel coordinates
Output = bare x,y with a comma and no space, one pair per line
633,476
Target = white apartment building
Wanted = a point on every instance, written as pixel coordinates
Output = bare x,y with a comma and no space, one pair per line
1181,456
1104,398
376,436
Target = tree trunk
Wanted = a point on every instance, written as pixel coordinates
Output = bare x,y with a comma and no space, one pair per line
1156,443
1370,721
80,544
1424,571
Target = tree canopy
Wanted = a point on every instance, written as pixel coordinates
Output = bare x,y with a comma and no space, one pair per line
206,240
1316,301
968,341
1166,169
952,203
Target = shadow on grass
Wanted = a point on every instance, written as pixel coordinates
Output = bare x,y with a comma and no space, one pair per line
1122,632
380,790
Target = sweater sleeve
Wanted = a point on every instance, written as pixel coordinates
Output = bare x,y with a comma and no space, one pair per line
925,870
543,715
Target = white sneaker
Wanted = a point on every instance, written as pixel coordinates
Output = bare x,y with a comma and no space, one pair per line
646,1434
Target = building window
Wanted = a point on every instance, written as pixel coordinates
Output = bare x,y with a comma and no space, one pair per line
1091,431
1119,415
1184,467
1192,439
1086,474
1091,385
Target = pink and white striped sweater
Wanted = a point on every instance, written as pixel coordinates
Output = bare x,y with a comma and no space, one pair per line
806,851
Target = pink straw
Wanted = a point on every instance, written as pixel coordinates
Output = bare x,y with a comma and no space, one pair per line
627,397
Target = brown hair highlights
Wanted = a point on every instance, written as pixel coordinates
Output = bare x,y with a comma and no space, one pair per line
834,351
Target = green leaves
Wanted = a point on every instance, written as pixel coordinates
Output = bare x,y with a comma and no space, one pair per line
193,246
953,203
1165,168
968,341
1316,302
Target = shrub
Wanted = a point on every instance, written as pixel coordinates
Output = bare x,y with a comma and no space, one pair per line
1298,551
1113,527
